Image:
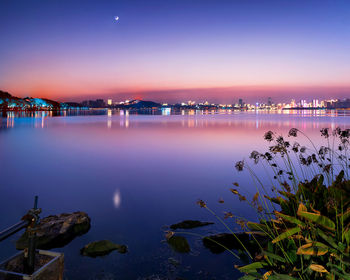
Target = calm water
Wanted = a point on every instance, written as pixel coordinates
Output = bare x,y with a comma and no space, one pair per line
133,175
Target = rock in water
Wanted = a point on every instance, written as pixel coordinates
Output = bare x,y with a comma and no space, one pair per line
57,230
102,248
230,241
179,244
188,224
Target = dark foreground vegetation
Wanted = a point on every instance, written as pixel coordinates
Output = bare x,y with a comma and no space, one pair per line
303,228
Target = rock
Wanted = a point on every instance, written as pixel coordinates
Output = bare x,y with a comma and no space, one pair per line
179,244
188,224
230,241
57,230
102,248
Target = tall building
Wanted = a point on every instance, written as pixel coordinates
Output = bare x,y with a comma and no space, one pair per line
109,102
240,102
293,104
269,101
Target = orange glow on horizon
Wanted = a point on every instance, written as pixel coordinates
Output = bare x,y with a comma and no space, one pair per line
61,92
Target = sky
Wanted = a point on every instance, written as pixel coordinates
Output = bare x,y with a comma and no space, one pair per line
175,50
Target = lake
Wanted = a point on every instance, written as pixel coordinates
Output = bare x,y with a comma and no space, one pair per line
135,174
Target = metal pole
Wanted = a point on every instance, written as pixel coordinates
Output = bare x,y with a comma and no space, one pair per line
32,236
13,229
35,202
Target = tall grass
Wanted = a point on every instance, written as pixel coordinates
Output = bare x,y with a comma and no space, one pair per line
304,214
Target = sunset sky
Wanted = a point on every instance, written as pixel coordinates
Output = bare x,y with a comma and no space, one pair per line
175,50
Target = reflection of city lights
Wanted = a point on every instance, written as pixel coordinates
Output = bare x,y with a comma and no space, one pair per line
109,115
117,199
166,111
10,119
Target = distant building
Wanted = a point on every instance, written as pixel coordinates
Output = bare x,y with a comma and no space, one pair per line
240,102
191,103
269,101
293,104
338,104
315,103
98,103
109,102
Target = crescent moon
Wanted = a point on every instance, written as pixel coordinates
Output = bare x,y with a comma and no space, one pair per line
116,18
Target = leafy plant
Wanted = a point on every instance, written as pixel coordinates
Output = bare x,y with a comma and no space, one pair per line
305,218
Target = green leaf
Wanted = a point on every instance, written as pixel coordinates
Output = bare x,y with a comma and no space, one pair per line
338,271
278,200
327,238
318,219
339,178
320,180
257,227
292,251
341,259
274,256
248,277
286,234
281,277
290,219
252,267
346,235
288,195
345,215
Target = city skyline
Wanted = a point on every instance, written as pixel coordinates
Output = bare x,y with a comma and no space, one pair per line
315,103
174,50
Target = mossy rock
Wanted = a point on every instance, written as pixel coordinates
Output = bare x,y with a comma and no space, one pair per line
102,248
56,231
179,244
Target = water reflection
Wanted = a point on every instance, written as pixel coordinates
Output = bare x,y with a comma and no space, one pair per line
162,165
191,118
109,121
117,199
10,120
124,118
166,111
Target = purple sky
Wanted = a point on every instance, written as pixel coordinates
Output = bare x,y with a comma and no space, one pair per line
175,50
